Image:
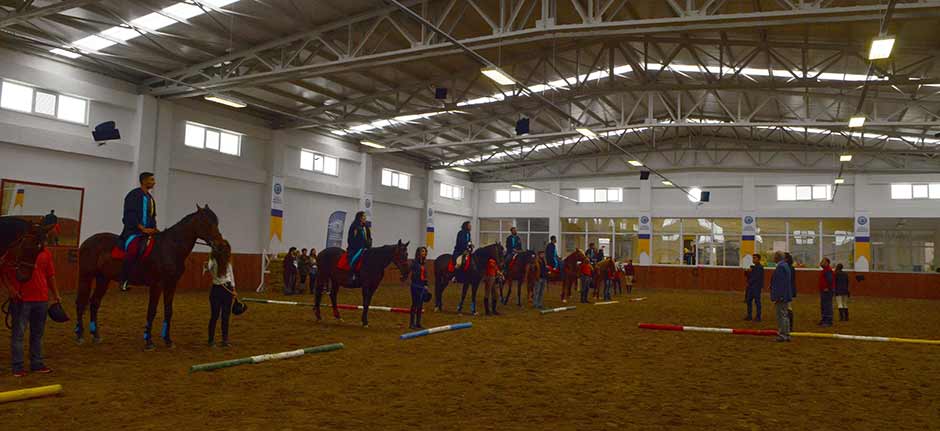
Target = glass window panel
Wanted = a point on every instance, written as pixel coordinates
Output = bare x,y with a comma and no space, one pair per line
804,193
615,195
626,225
538,224
528,196
832,225
726,225
405,182
935,191
666,225
901,191
489,224
538,241
696,225
387,181
515,196
786,193
72,109
502,196
487,238
921,191
666,249
306,162
195,136
318,166
766,245
821,192
229,144
804,224
569,242
572,225
772,225
600,195
45,103
598,224
840,249
586,195
625,247
16,97
804,248
212,140
330,166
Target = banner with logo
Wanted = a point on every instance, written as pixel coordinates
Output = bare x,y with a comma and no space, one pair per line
644,236
334,229
862,241
277,209
367,203
20,198
429,235
748,237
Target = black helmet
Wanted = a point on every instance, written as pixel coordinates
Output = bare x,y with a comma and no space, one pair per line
57,313
426,297
239,307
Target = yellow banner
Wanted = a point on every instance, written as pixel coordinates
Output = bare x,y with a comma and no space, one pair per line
18,200
277,227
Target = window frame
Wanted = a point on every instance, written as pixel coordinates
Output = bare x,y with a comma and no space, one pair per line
456,191
932,191
809,192
515,196
205,132
393,183
32,102
313,163
594,192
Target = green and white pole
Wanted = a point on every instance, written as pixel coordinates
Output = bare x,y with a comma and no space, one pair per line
212,366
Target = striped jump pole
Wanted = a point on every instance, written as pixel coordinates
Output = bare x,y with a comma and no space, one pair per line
558,310
430,331
866,338
266,357
758,332
773,332
339,306
606,302
638,299
30,393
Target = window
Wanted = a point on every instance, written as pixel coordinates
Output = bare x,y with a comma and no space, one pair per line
525,196
223,141
451,191
818,192
310,161
396,179
23,98
600,195
915,191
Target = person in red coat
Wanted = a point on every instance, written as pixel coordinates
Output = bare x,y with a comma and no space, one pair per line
29,305
826,288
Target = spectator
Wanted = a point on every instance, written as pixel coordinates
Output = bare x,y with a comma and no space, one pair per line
219,266
755,283
539,294
419,285
587,278
630,274
290,271
609,282
303,267
312,269
28,307
780,294
826,286
789,260
842,293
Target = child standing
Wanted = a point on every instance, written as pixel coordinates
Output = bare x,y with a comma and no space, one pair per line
419,285
610,280
222,291
842,293
587,278
490,297
630,274
313,270
539,293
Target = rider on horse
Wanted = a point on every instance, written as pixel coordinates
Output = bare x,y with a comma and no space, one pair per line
463,243
358,239
140,220
593,254
513,246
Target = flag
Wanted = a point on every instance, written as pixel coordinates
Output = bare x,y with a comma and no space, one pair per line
644,236
862,242
20,196
429,235
334,229
277,209
748,236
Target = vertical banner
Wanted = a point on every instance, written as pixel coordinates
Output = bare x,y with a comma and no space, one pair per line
644,236
366,204
20,198
862,242
334,229
748,237
429,235
277,209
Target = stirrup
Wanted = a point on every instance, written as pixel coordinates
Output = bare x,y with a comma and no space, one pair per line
124,286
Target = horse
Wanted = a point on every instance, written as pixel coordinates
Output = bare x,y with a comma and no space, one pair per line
571,272
442,277
374,261
602,272
20,243
517,272
160,270
472,276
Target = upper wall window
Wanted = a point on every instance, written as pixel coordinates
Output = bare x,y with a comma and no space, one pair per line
600,195
24,98
818,192
210,138
310,161
524,196
396,179
915,191
451,191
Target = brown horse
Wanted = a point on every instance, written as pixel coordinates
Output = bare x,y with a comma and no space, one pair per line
517,273
374,261
571,272
20,243
442,277
602,273
161,270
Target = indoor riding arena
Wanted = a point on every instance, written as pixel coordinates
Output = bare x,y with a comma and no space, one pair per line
470,214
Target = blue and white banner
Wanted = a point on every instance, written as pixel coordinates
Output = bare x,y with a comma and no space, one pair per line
334,229
277,209
367,203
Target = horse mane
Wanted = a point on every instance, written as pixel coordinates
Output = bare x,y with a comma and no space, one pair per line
10,229
214,219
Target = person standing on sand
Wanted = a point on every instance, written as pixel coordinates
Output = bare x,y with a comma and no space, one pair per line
780,294
755,283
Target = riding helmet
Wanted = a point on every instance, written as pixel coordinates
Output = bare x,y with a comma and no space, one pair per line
426,297
239,307
57,313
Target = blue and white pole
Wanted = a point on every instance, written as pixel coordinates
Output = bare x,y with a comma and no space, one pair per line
430,331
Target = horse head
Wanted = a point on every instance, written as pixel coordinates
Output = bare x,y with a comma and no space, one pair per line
400,258
206,226
24,251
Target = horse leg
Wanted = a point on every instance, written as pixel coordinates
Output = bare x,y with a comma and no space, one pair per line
168,292
501,285
151,313
367,293
101,287
519,294
318,298
473,299
439,285
463,295
334,292
81,301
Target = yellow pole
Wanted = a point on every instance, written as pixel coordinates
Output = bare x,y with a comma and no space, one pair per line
25,394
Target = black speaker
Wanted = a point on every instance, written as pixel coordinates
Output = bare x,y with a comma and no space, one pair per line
440,93
104,132
522,126
644,175
706,196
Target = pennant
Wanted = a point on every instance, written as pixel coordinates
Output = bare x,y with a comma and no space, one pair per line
19,198
277,209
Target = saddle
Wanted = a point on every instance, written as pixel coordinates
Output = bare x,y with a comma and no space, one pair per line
462,262
343,263
118,253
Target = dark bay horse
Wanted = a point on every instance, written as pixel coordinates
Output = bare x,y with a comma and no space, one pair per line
571,272
517,273
161,270
442,277
471,278
20,243
374,261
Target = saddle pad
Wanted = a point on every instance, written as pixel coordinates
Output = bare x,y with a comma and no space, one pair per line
119,254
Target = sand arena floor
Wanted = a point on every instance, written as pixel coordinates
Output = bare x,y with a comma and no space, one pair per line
587,369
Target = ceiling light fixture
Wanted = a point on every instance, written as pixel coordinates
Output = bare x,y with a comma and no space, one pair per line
845,158
227,101
881,47
459,169
371,144
839,180
636,163
857,121
588,133
518,186
497,75
667,183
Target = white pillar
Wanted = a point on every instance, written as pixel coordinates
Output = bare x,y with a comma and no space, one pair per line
554,214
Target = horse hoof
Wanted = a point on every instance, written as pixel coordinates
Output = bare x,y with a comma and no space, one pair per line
96,339
149,347
170,345
79,340
365,325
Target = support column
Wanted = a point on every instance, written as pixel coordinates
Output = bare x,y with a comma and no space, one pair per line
475,220
425,223
554,214
275,159
161,155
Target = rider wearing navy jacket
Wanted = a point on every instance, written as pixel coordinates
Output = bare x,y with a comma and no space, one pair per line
551,253
463,241
513,245
358,239
140,218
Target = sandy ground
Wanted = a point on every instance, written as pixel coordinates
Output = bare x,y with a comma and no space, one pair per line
586,369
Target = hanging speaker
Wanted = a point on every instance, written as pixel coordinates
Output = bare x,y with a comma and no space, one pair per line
706,196
644,175
522,126
440,93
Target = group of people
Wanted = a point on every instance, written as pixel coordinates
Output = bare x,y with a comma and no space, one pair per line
612,280
831,284
298,267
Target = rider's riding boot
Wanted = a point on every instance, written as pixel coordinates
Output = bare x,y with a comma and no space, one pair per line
486,305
